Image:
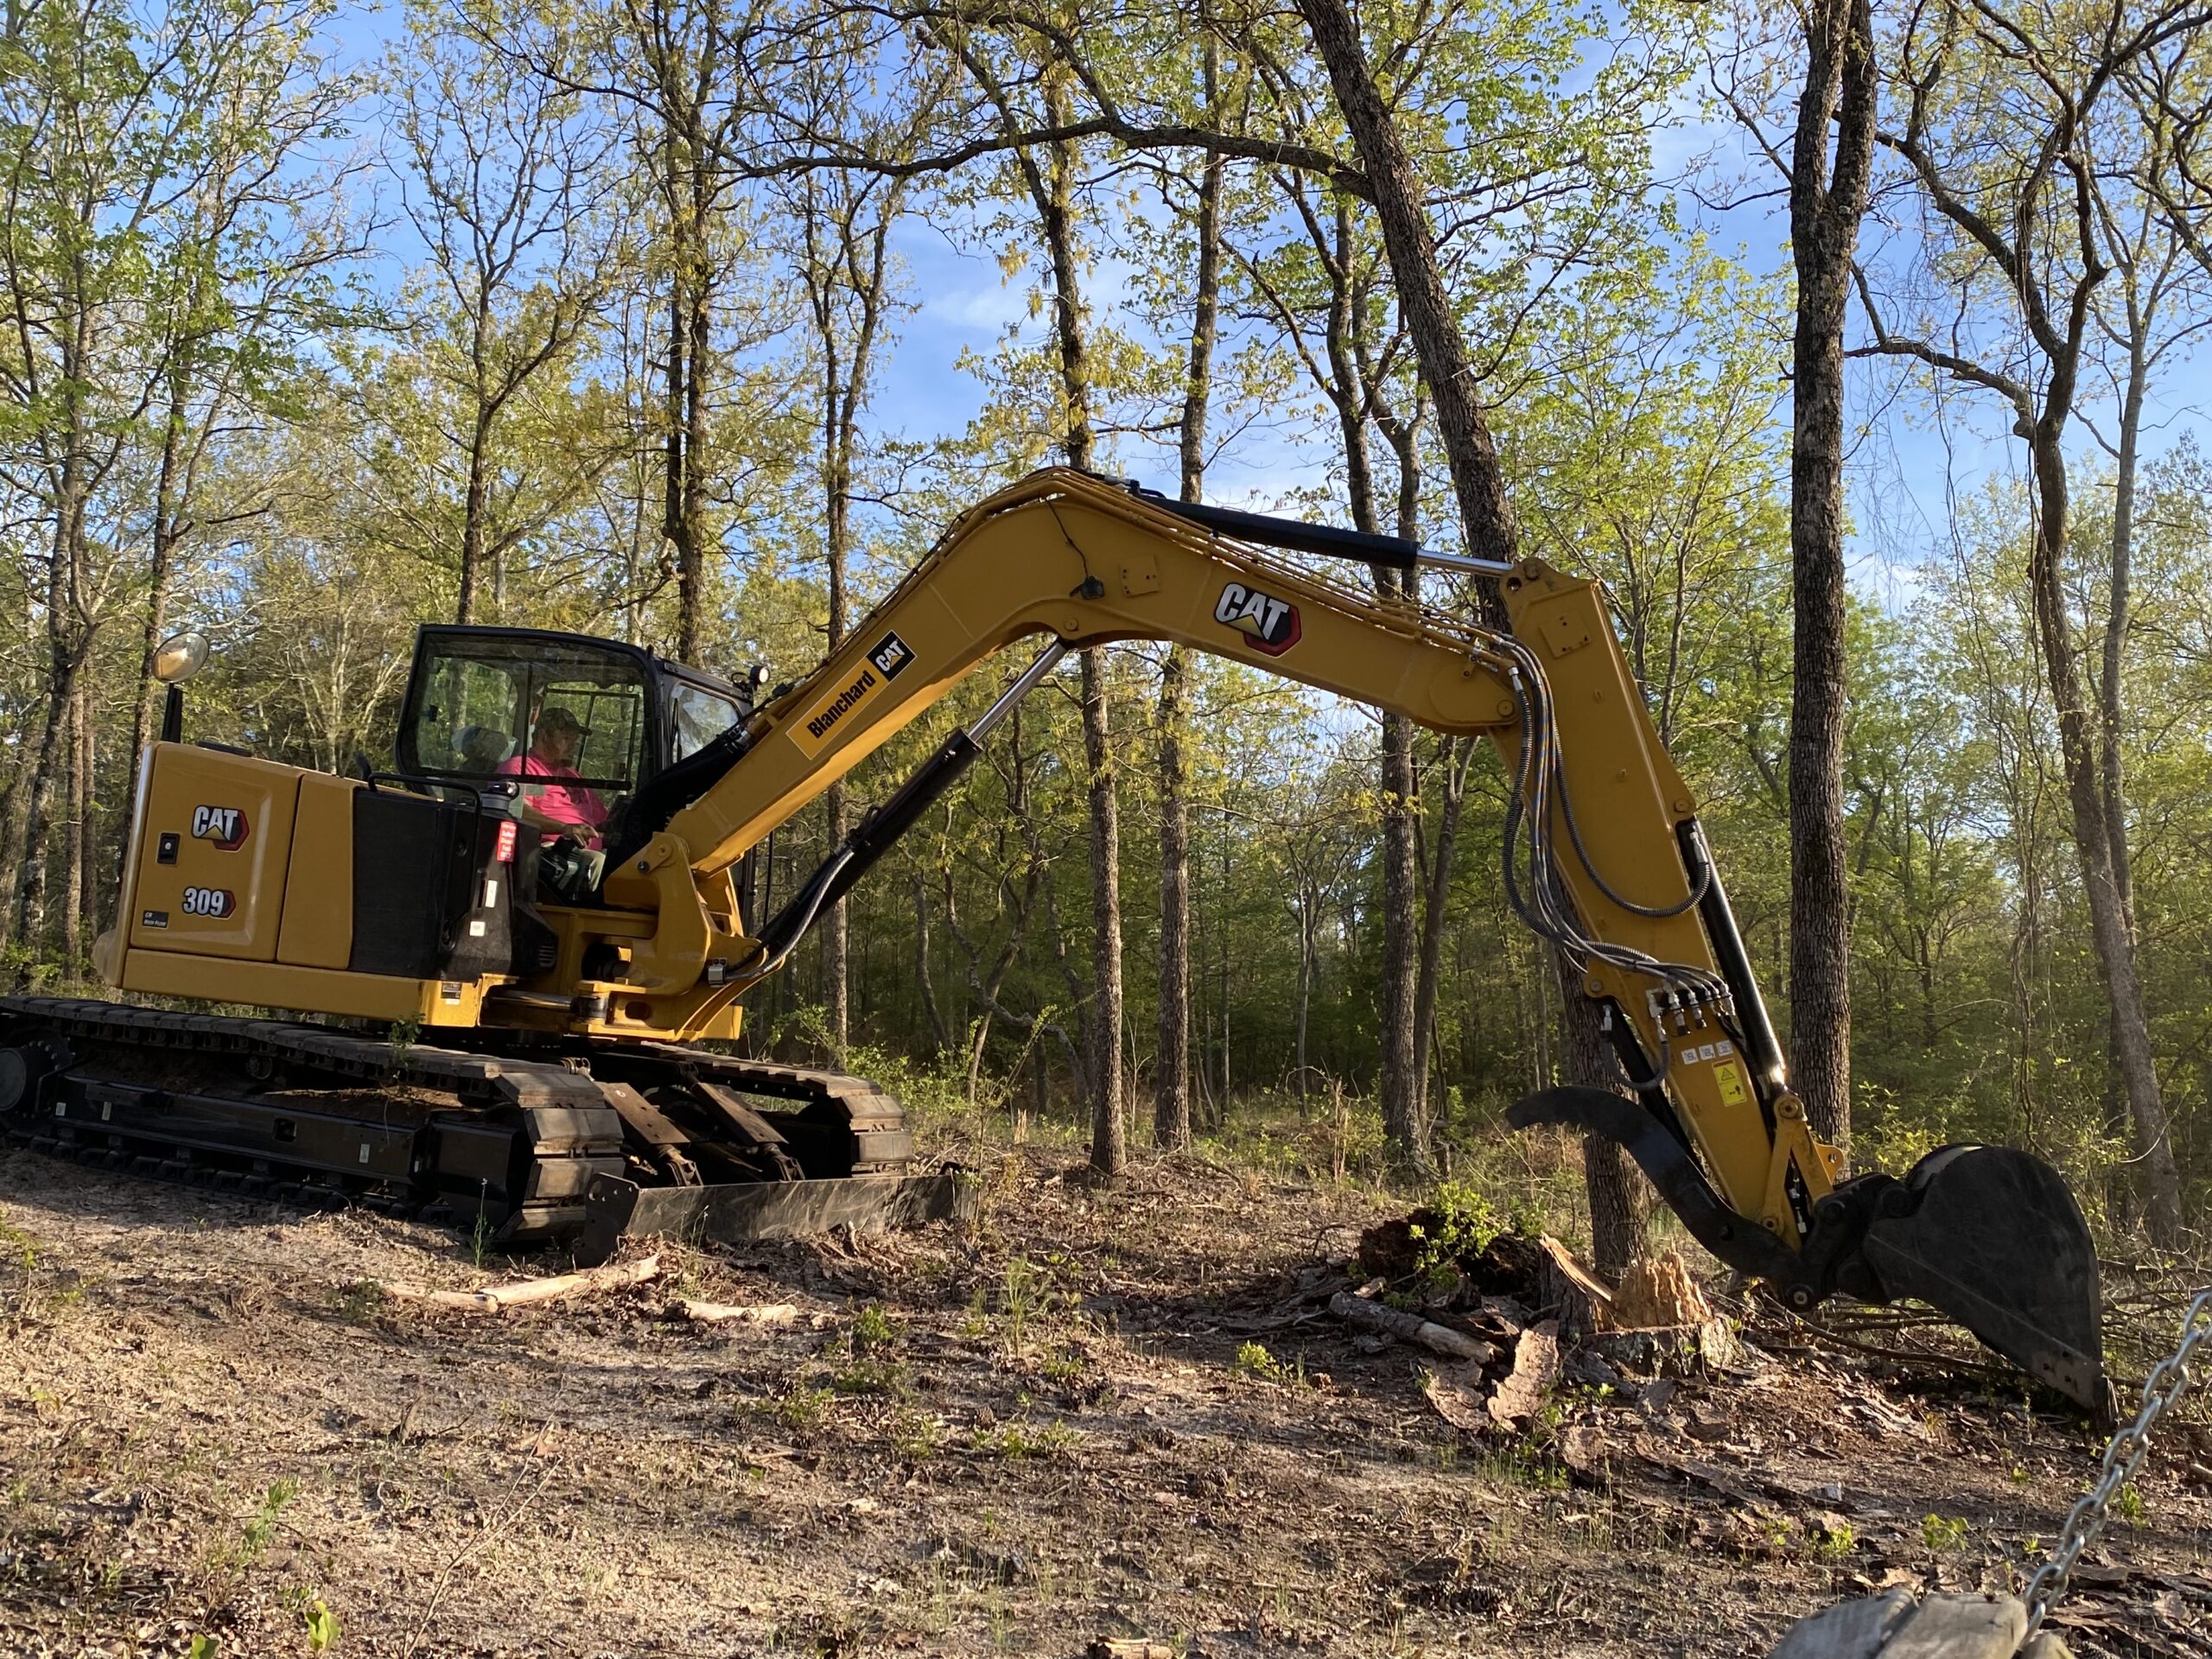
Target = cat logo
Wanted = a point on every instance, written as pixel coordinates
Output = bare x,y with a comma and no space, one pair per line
887,659
891,654
1271,624
224,825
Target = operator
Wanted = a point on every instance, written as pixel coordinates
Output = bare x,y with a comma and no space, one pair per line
562,806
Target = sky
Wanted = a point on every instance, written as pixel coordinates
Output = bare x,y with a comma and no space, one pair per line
1912,454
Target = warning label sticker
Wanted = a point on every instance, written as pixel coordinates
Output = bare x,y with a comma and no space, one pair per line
1730,1080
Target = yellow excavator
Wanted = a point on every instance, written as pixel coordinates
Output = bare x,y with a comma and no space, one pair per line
512,943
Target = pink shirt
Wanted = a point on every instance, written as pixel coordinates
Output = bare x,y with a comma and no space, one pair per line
570,803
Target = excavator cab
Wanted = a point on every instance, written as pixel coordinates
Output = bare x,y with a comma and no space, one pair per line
481,701
568,727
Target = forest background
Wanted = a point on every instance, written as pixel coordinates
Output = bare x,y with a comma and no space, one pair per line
692,322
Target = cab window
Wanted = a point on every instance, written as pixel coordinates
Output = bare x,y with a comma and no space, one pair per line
478,703
701,716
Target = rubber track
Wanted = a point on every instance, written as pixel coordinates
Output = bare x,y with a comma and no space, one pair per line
562,1112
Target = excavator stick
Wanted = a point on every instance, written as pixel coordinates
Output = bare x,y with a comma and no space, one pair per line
1986,1236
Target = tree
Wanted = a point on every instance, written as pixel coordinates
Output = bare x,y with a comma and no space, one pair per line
156,242
1170,1126
845,225
505,187
1827,198
2025,232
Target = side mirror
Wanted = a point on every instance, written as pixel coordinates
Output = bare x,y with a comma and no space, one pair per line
179,656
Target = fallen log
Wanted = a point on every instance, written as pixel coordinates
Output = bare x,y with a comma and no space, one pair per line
1358,1311
561,1287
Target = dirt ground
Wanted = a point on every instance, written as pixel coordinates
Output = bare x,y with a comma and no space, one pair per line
1020,1437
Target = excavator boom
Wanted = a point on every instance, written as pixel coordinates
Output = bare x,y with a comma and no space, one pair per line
1605,858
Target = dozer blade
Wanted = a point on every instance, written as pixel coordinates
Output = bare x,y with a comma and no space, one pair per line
739,1211
1993,1238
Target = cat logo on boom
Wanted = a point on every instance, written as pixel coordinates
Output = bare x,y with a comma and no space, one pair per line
1271,624
224,825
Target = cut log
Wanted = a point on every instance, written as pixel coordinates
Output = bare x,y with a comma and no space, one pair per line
1364,1315
738,1313
1116,1647
1850,1630
1942,1627
1961,1627
560,1287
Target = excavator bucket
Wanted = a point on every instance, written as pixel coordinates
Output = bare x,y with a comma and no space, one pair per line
1993,1238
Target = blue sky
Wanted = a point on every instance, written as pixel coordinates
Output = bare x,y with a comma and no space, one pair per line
1911,459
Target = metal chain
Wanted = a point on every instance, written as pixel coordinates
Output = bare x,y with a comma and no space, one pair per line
2169,1379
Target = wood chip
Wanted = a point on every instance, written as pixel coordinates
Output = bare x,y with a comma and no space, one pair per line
1456,1391
1535,1368
560,1287
739,1314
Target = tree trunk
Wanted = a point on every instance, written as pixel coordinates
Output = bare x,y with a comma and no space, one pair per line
1307,898
940,1034
472,515
1052,190
2092,839
689,193
171,488
1171,1125
1405,1107
1825,205
85,860
2114,772
1478,484
1171,1121
1108,1139
1458,760
1615,1227
56,751
836,937
1402,1124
